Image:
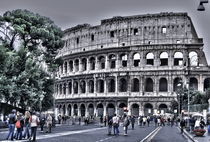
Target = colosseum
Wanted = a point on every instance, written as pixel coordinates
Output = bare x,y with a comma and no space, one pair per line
132,63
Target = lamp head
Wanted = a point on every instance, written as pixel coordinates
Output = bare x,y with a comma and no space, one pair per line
201,7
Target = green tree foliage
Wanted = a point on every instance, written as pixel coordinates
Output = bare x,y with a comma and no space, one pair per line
29,41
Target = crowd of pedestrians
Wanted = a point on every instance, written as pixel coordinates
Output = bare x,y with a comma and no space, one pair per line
25,126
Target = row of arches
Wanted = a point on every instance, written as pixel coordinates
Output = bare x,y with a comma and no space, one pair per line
112,61
110,109
90,86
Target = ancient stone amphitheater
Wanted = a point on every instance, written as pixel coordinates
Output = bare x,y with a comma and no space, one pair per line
133,63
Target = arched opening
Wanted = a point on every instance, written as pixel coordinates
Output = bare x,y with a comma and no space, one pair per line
91,110
177,81
76,64
110,109
148,109
206,84
193,83
164,59
100,109
112,61
71,67
83,86
193,58
121,108
69,110
124,59
136,59
61,89
178,59
122,85
84,64
65,67
82,110
135,85
75,110
64,110
135,110
101,62
70,87
111,85
163,108
91,86
92,63
150,59
64,88
100,86
75,87
163,85
149,85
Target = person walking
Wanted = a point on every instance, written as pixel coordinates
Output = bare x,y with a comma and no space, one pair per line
126,123
132,122
27,124
115,120
49,123
34,121
156,121
19,125
148,120
182,125
11,121
42,122
144,120
110,122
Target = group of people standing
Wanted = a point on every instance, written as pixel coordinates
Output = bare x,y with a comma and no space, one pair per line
25,126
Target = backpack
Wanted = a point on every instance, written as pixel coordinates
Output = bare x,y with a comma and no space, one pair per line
17,124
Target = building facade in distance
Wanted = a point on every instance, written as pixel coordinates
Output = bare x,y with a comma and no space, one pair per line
134,63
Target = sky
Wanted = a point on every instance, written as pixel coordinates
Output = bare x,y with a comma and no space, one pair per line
69,13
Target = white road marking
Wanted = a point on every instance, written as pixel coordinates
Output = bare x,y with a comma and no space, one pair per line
152,134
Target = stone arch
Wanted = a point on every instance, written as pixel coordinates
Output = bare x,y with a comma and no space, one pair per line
82,110
135,85
177,81
150,58
75,110
111,85
92,63
193,58
112,61
123,85
124,59
71,66
136,59
178,59
206,84
110,109
91,86
100,86
69,110
65,67
163,85
193,83
83,86
91,109
149,85
100,109
76,87
148,109
164,59
121,108
101,61
84,64
163,108
76,64
70,87
135,109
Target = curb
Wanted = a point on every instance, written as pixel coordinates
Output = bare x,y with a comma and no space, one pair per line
189,136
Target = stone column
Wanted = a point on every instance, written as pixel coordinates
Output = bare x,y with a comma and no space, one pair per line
95,110
156,86
88,65
105,112
79,110
86,111
117,62
141,109
129,108
116,109
116,84
80,65
105,86
95,85
106,62
68,69
72,110
201,83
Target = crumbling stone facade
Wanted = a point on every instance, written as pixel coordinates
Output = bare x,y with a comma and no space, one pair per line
134,62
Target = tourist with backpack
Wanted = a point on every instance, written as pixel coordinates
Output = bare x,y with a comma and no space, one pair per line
126,123
19,125
34,121
11,122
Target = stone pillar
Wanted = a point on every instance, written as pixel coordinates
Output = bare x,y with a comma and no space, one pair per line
156,86
116,109
79,110
129,108
95,85
86,87
117,62
72,88
72,110
95,110
74,66
88,64
86,111
201,83
106,62
170,84
96,63
68,69
105,86
116,84
80,65
105,110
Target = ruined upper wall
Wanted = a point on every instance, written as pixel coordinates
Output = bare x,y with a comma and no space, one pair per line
162,28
